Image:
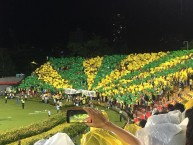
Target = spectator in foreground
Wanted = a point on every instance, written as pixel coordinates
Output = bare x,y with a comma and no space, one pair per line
189,130
180,107
98,120
142,123
170,107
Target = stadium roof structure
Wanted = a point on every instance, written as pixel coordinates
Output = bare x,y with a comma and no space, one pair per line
11,80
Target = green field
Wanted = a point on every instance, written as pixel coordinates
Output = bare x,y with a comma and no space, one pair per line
13,116
113,116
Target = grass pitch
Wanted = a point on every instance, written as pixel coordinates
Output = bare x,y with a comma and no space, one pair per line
13,116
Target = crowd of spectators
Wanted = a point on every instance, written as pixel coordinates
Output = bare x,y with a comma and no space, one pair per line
142,85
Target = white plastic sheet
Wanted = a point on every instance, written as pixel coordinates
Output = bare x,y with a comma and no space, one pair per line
57,139
164,129
41,142
160,134
174,117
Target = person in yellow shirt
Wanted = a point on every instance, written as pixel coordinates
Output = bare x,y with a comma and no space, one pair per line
100,121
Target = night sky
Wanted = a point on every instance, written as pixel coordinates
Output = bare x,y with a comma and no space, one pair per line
45,23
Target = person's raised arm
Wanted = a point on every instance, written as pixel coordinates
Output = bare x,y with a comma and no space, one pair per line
99,121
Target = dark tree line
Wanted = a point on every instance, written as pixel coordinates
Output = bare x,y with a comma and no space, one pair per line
7,67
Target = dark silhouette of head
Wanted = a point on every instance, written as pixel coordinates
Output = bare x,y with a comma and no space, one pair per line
170,107
142,123
179,106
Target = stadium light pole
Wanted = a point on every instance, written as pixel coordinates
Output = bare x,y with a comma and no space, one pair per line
186,42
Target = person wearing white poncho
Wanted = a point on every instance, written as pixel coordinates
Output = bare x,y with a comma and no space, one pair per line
164,129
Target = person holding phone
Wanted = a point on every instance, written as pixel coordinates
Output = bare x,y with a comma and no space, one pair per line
98,120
